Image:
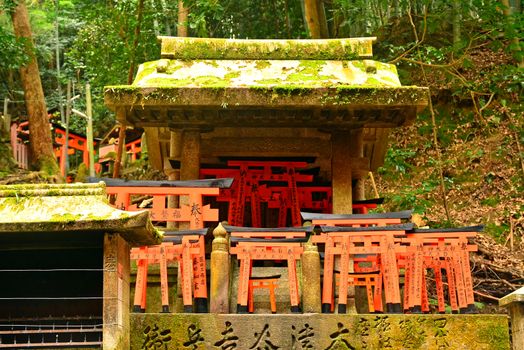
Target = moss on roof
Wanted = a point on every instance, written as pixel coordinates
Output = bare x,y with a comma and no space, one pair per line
252,73
71,207
206,48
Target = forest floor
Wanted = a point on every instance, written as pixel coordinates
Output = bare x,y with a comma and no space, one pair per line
480,155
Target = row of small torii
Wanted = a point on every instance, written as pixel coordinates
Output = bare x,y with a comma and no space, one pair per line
374,251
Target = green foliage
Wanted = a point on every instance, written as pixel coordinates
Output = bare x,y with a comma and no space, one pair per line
13,52
399,160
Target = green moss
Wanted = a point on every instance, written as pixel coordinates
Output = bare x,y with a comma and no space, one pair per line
212,63
210,81
66,217
359,65
496,335
373,81
338,49
169,82
268,82
232,75
81,173
171,68
282,90
260,64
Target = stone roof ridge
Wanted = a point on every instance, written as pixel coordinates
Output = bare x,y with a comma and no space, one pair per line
50,190
266,49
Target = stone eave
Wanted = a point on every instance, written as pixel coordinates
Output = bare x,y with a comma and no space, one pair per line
348,106
263,49
73,208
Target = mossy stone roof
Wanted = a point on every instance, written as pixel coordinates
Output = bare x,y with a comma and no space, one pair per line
70,208
197,87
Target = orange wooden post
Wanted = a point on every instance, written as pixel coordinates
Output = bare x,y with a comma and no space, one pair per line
439,285
327,287
199,276
140,254
377,296
390,275
186,269
344,270
408,272
164,289
468,280
425,300
236,206
459,279
293,280
452,290
415,291
243,280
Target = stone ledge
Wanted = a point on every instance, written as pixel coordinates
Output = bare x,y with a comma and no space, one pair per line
319,331
515,297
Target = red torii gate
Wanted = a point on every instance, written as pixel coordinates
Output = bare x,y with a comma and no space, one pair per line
267,244
439,249
348,241
191,246
248,186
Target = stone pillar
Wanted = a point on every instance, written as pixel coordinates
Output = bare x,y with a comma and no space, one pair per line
311,302
515,304
356,150
220,267
190,155
189,162
116,293
342,190
341,172
175,144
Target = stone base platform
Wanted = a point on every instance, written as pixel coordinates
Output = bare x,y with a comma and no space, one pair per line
318,331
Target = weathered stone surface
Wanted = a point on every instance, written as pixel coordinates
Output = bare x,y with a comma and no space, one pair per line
116,293
515,304
70,207
263,73
206,48
318,331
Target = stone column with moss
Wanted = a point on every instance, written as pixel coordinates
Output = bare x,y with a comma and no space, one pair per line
311,301
341,160
357,151
173,173
220,267
116,293
514,302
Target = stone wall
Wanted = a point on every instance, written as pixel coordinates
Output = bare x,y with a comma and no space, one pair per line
318,331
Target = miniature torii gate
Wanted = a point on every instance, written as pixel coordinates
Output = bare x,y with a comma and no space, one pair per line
439,249
186,248
348,241
192,245
248,177
267,244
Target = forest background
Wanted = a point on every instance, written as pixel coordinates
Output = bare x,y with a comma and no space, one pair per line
461,163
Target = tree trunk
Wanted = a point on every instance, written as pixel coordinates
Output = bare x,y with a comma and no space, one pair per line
508,13
131,72
456,23
183,13
40,142
312,14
